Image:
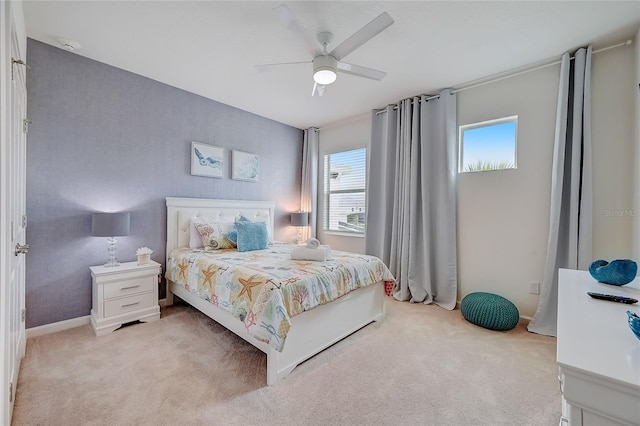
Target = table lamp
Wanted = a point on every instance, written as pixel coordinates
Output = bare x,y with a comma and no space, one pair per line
299,219
110,225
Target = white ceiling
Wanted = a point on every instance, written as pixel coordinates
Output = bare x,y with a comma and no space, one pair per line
210,47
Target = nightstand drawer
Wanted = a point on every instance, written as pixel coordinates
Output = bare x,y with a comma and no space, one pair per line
127,287
128,304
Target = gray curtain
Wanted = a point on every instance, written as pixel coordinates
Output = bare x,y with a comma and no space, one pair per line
309,190
411,197
571,215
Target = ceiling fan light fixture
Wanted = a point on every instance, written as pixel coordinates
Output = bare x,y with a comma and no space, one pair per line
324,69
324,76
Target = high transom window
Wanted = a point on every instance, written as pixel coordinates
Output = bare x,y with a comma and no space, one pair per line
489,145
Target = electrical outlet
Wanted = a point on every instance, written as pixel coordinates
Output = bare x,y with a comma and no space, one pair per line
534,287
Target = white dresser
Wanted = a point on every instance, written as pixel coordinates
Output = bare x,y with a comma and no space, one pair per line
124,293
598,355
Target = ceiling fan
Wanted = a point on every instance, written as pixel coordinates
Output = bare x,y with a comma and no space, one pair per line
327,64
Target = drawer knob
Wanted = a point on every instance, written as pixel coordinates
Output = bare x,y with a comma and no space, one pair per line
130,304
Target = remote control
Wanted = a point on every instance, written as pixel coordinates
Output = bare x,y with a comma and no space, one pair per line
612,298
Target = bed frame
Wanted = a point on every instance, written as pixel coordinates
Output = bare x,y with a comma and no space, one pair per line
311,331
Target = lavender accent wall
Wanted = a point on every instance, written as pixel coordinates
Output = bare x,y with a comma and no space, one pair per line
104,139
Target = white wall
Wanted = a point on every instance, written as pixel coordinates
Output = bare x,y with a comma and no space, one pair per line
341,136
503,216
613,130
636,164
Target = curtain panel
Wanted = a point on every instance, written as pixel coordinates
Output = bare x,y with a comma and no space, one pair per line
309,189
571,211
411,197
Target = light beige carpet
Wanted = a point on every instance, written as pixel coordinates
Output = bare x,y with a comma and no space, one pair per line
421,365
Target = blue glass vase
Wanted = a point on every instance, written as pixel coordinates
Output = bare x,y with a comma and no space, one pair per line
616,272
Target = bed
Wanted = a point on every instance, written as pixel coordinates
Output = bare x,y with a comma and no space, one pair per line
307,332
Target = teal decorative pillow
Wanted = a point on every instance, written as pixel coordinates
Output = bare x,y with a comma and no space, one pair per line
489,311
261,218
232,235
252,236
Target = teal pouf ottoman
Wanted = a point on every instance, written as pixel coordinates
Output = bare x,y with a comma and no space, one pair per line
490,311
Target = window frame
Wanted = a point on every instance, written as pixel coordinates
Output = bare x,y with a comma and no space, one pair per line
326,193
487,123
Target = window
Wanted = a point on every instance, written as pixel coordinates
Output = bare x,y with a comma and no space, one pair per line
490,145
344,191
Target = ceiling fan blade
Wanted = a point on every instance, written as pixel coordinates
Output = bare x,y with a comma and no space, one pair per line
361,71
362,36
269,67
289,20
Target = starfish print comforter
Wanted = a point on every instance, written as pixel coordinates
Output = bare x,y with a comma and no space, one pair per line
265,288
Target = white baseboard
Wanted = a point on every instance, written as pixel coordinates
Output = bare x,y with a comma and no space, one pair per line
66,324
80,321
58,326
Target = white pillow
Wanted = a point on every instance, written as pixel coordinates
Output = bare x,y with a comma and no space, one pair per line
195,239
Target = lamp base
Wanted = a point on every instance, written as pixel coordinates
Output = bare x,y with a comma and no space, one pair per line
112,250
298,238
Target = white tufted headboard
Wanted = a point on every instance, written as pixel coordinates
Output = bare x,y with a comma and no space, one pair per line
181,210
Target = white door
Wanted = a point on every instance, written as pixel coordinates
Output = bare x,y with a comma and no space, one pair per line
18,213
13,203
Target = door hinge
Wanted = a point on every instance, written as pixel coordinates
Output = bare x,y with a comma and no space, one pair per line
24,315
24,221
25,125
11,392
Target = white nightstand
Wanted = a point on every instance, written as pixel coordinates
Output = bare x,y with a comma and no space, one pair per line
598,355
122,294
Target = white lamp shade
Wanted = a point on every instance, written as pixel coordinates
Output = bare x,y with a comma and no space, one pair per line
110,224
300,219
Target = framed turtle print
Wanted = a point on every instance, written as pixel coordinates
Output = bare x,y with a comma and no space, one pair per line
206,160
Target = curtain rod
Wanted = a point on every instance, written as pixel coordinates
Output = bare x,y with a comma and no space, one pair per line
533,68
513,73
